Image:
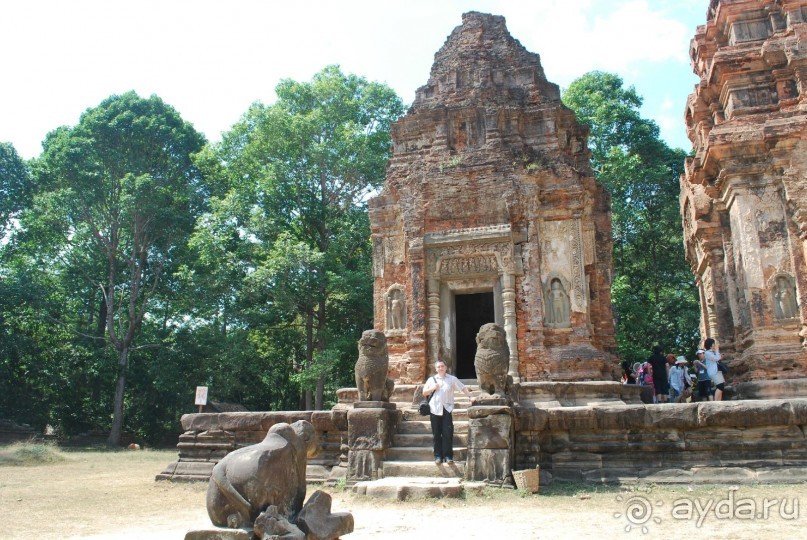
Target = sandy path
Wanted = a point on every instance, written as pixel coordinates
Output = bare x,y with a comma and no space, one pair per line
113,495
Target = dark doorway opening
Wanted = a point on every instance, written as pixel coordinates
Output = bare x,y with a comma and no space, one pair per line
472,311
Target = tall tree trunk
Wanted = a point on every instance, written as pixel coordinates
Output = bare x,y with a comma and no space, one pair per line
117,415
309,353
320,397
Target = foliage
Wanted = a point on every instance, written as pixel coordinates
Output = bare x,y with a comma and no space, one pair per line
15,185
116,197
654,294
291,231
30,453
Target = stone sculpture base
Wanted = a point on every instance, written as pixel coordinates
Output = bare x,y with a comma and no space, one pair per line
487,401
370,431
374,405
490,447
219,533
315,522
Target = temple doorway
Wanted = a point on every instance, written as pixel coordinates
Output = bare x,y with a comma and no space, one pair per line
472,311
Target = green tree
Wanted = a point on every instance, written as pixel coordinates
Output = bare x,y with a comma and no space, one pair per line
294,221
15,185
654,294
118,198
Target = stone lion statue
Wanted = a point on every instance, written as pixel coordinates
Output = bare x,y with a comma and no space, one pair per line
372,366
492,360
271,473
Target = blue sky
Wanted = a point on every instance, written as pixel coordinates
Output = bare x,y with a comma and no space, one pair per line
211,59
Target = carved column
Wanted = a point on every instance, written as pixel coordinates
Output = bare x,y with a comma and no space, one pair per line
721,312
434,319
509,307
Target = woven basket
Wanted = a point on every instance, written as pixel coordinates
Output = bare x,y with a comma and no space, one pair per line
527,480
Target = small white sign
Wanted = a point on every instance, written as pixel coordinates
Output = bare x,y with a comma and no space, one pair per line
201,395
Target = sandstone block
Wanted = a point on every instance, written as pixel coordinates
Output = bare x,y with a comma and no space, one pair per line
488,465
369,429
490,432
531,419
317,521
219,533
744,413
572,418
682,416
620,417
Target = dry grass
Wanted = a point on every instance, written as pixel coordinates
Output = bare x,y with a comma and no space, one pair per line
94,493
18,454
114,495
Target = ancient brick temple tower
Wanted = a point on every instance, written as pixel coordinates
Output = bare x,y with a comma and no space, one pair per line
490,213
744,194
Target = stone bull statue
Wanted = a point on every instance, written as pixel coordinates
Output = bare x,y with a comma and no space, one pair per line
271,473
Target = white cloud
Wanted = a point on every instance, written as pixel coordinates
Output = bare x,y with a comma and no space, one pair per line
211,59
577,37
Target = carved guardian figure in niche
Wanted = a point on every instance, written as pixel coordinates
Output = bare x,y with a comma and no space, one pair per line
492,360
557,304
395,310
372,366
784,298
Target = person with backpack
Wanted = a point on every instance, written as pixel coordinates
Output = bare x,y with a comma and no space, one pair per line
441,388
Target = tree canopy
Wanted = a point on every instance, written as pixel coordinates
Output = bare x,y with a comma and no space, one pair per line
298,173
117,197
137,261
654,293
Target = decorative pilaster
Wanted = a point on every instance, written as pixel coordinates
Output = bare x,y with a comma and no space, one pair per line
510,329
434,319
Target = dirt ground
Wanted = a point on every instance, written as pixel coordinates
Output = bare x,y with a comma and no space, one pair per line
114,495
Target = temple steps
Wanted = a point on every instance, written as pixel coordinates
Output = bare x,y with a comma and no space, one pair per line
411,453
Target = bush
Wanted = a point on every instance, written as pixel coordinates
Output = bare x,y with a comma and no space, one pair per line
29,453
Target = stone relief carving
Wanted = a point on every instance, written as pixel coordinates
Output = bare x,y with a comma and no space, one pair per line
560,234
687,217
394,249
395,307
785,305
577,263
708,293
378,258
473,258
589,241
481,264
556,302
745,98
753,30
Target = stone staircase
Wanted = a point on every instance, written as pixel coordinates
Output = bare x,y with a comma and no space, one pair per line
409,469
411,453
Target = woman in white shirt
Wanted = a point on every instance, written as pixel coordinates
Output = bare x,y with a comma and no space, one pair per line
711,358
677,382
441,388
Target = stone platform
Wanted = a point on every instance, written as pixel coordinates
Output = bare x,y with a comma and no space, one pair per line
398,488
598,432
706,442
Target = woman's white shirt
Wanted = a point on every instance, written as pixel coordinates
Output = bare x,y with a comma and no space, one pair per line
444,394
